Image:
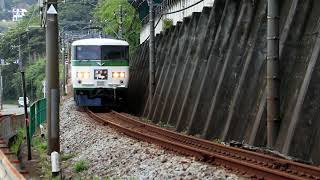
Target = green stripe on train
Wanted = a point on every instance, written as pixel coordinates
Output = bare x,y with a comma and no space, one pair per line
100,63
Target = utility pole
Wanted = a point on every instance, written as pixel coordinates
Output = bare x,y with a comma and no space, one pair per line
151,53
1,90
273,79
26,116
52,76
64,67
120,13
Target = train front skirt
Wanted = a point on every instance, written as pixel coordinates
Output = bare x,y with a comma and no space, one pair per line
100,97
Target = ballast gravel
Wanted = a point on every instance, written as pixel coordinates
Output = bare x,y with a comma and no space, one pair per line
110,154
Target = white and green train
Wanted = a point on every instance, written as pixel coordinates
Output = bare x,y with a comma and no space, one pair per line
99,71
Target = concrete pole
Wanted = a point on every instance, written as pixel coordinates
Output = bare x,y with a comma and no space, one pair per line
151,53
273,79
52,76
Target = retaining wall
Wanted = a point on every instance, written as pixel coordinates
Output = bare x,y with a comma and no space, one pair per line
9,125
211,69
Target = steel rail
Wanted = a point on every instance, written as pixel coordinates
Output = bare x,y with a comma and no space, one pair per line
245,155
253,164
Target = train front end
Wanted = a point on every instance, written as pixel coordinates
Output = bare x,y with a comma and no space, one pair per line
100,71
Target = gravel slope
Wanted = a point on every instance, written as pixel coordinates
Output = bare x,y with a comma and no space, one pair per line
111,154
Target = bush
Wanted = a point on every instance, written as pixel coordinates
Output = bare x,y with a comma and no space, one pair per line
81,165
167,24
18,140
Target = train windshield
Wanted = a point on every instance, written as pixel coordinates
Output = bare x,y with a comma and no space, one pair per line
102,53
114,52
88,52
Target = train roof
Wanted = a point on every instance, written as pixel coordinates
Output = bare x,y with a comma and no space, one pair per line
100,42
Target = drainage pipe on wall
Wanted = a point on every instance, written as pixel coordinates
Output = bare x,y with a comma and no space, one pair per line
273,79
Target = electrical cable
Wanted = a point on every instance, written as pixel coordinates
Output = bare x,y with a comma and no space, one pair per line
30,19
162,14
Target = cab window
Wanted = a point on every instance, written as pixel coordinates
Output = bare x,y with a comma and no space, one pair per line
88,52
115,52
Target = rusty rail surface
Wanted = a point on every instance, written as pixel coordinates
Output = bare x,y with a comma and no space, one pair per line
244,162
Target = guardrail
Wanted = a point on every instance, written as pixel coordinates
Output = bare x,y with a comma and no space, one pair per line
37,115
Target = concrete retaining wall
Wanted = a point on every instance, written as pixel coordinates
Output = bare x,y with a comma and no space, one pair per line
9,125
211,75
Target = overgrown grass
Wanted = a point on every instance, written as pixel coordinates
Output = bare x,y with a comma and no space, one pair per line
80,166
18,140
164,125
167,24
217,140
146,120
40,145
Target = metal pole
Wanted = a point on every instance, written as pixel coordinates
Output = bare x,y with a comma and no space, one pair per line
68,62
121,22
26,116
1,90
151,54
26,113
52,74
64,69
273,79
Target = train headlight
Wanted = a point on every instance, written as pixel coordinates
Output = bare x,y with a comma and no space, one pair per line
83,75
115,75
118,74
86,75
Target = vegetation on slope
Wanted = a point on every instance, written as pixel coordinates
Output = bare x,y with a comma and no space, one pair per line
107,14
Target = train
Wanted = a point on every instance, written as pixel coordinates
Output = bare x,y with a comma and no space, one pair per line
100,71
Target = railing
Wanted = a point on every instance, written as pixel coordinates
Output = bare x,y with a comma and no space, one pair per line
165,6
37,115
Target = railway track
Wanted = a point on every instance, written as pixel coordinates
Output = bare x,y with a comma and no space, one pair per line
244,162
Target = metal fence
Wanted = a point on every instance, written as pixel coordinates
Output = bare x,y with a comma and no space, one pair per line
37,115
171,7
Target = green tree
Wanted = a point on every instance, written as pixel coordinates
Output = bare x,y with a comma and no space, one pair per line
35,74
75,14
106,15
32,43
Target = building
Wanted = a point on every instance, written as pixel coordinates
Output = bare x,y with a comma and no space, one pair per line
173,10
18,14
